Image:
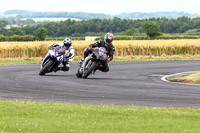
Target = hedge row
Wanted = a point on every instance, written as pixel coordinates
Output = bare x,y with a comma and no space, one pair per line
33,38
62,38
154,38
125,38
17,38
175,37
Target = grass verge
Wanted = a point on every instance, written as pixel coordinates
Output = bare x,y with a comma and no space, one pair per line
10,61
191,78
20,116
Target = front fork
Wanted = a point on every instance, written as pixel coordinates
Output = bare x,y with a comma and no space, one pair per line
44,60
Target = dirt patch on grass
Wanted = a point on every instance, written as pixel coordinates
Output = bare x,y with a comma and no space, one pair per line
182,80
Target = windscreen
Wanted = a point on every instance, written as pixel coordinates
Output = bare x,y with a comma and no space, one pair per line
102,51
60,51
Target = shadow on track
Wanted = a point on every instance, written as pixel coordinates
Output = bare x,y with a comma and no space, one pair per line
58,76
114,79
99,78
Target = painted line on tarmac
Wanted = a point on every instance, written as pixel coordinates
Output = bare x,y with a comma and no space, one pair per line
164,78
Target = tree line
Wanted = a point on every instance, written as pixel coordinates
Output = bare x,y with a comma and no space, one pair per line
101,26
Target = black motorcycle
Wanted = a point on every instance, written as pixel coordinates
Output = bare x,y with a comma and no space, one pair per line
92,62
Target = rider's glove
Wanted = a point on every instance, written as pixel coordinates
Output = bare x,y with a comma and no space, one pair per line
50,47
53,46
108,60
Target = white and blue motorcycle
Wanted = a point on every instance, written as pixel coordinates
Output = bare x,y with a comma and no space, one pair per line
52,60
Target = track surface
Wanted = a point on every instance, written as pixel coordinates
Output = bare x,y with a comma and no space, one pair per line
127,83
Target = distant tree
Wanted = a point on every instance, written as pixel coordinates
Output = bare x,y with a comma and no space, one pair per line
2,26
130,32
29,30
17,31
96,26
151,29
40,34
192,31
14,31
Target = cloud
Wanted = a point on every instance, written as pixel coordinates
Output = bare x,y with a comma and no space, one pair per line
103,6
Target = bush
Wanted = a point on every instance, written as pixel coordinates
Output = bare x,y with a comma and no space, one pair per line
28,38
125,38
40,34
153,38
17,38
151,29
3,38
62,38
175,37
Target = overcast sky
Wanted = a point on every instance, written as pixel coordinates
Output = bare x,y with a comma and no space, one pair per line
103,6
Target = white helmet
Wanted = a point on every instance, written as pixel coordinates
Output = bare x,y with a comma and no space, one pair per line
67,42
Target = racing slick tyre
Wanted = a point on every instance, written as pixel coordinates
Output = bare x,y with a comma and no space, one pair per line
79,73
46,67
91,67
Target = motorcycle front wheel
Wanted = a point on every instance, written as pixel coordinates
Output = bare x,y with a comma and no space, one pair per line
46,67
91,66
79,73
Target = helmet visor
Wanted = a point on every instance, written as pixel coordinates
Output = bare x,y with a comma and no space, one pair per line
67,45
108,40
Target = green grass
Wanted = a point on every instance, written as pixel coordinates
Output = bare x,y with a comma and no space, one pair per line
12,62
116,59
191,78
19,116
153,59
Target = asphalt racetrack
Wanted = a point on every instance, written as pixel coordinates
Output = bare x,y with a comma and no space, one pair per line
127,83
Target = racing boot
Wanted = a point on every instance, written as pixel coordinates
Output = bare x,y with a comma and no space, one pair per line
93,72
57,69
65,68
81,61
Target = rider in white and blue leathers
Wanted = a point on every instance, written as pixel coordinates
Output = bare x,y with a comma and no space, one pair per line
68,56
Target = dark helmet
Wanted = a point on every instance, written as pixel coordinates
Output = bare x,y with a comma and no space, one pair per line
108,38
67,42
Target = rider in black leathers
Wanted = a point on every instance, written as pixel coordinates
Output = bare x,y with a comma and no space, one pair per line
107,44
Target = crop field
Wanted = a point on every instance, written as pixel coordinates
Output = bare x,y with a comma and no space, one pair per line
123,48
